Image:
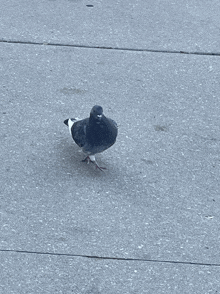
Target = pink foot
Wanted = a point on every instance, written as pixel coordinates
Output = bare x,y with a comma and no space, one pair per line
88,160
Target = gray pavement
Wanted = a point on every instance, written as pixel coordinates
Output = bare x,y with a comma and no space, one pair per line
150,223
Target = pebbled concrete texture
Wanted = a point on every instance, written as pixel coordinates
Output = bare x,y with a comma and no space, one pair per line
56,274
158,201
155,25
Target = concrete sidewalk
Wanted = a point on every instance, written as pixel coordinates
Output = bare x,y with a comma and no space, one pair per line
150,223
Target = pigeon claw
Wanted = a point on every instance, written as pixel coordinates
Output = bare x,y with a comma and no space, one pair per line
88,160
99,167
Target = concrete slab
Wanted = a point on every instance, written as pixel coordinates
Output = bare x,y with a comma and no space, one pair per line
30,273
159,198
154,25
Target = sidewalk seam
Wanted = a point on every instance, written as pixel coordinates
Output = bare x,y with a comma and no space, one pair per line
111,48
110,258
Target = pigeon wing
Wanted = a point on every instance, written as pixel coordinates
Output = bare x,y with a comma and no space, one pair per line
78,131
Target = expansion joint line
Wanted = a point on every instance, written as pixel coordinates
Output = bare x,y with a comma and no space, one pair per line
110,258
110,48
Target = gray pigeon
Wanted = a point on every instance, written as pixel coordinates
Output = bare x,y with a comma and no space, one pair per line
94,134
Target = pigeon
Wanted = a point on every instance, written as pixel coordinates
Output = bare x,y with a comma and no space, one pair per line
94,134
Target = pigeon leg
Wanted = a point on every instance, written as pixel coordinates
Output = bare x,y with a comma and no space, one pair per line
88,160
97,166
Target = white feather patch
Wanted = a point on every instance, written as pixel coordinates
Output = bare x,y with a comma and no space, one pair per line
92,157
71,123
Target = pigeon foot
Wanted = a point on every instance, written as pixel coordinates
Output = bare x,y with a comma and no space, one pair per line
88,160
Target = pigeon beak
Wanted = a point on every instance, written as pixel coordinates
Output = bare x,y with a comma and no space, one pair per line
99,116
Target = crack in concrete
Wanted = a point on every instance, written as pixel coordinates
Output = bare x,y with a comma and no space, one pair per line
111,258
111,48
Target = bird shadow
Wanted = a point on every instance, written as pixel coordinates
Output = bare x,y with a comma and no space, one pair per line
72,160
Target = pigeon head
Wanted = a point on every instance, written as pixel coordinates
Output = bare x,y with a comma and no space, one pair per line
96,112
